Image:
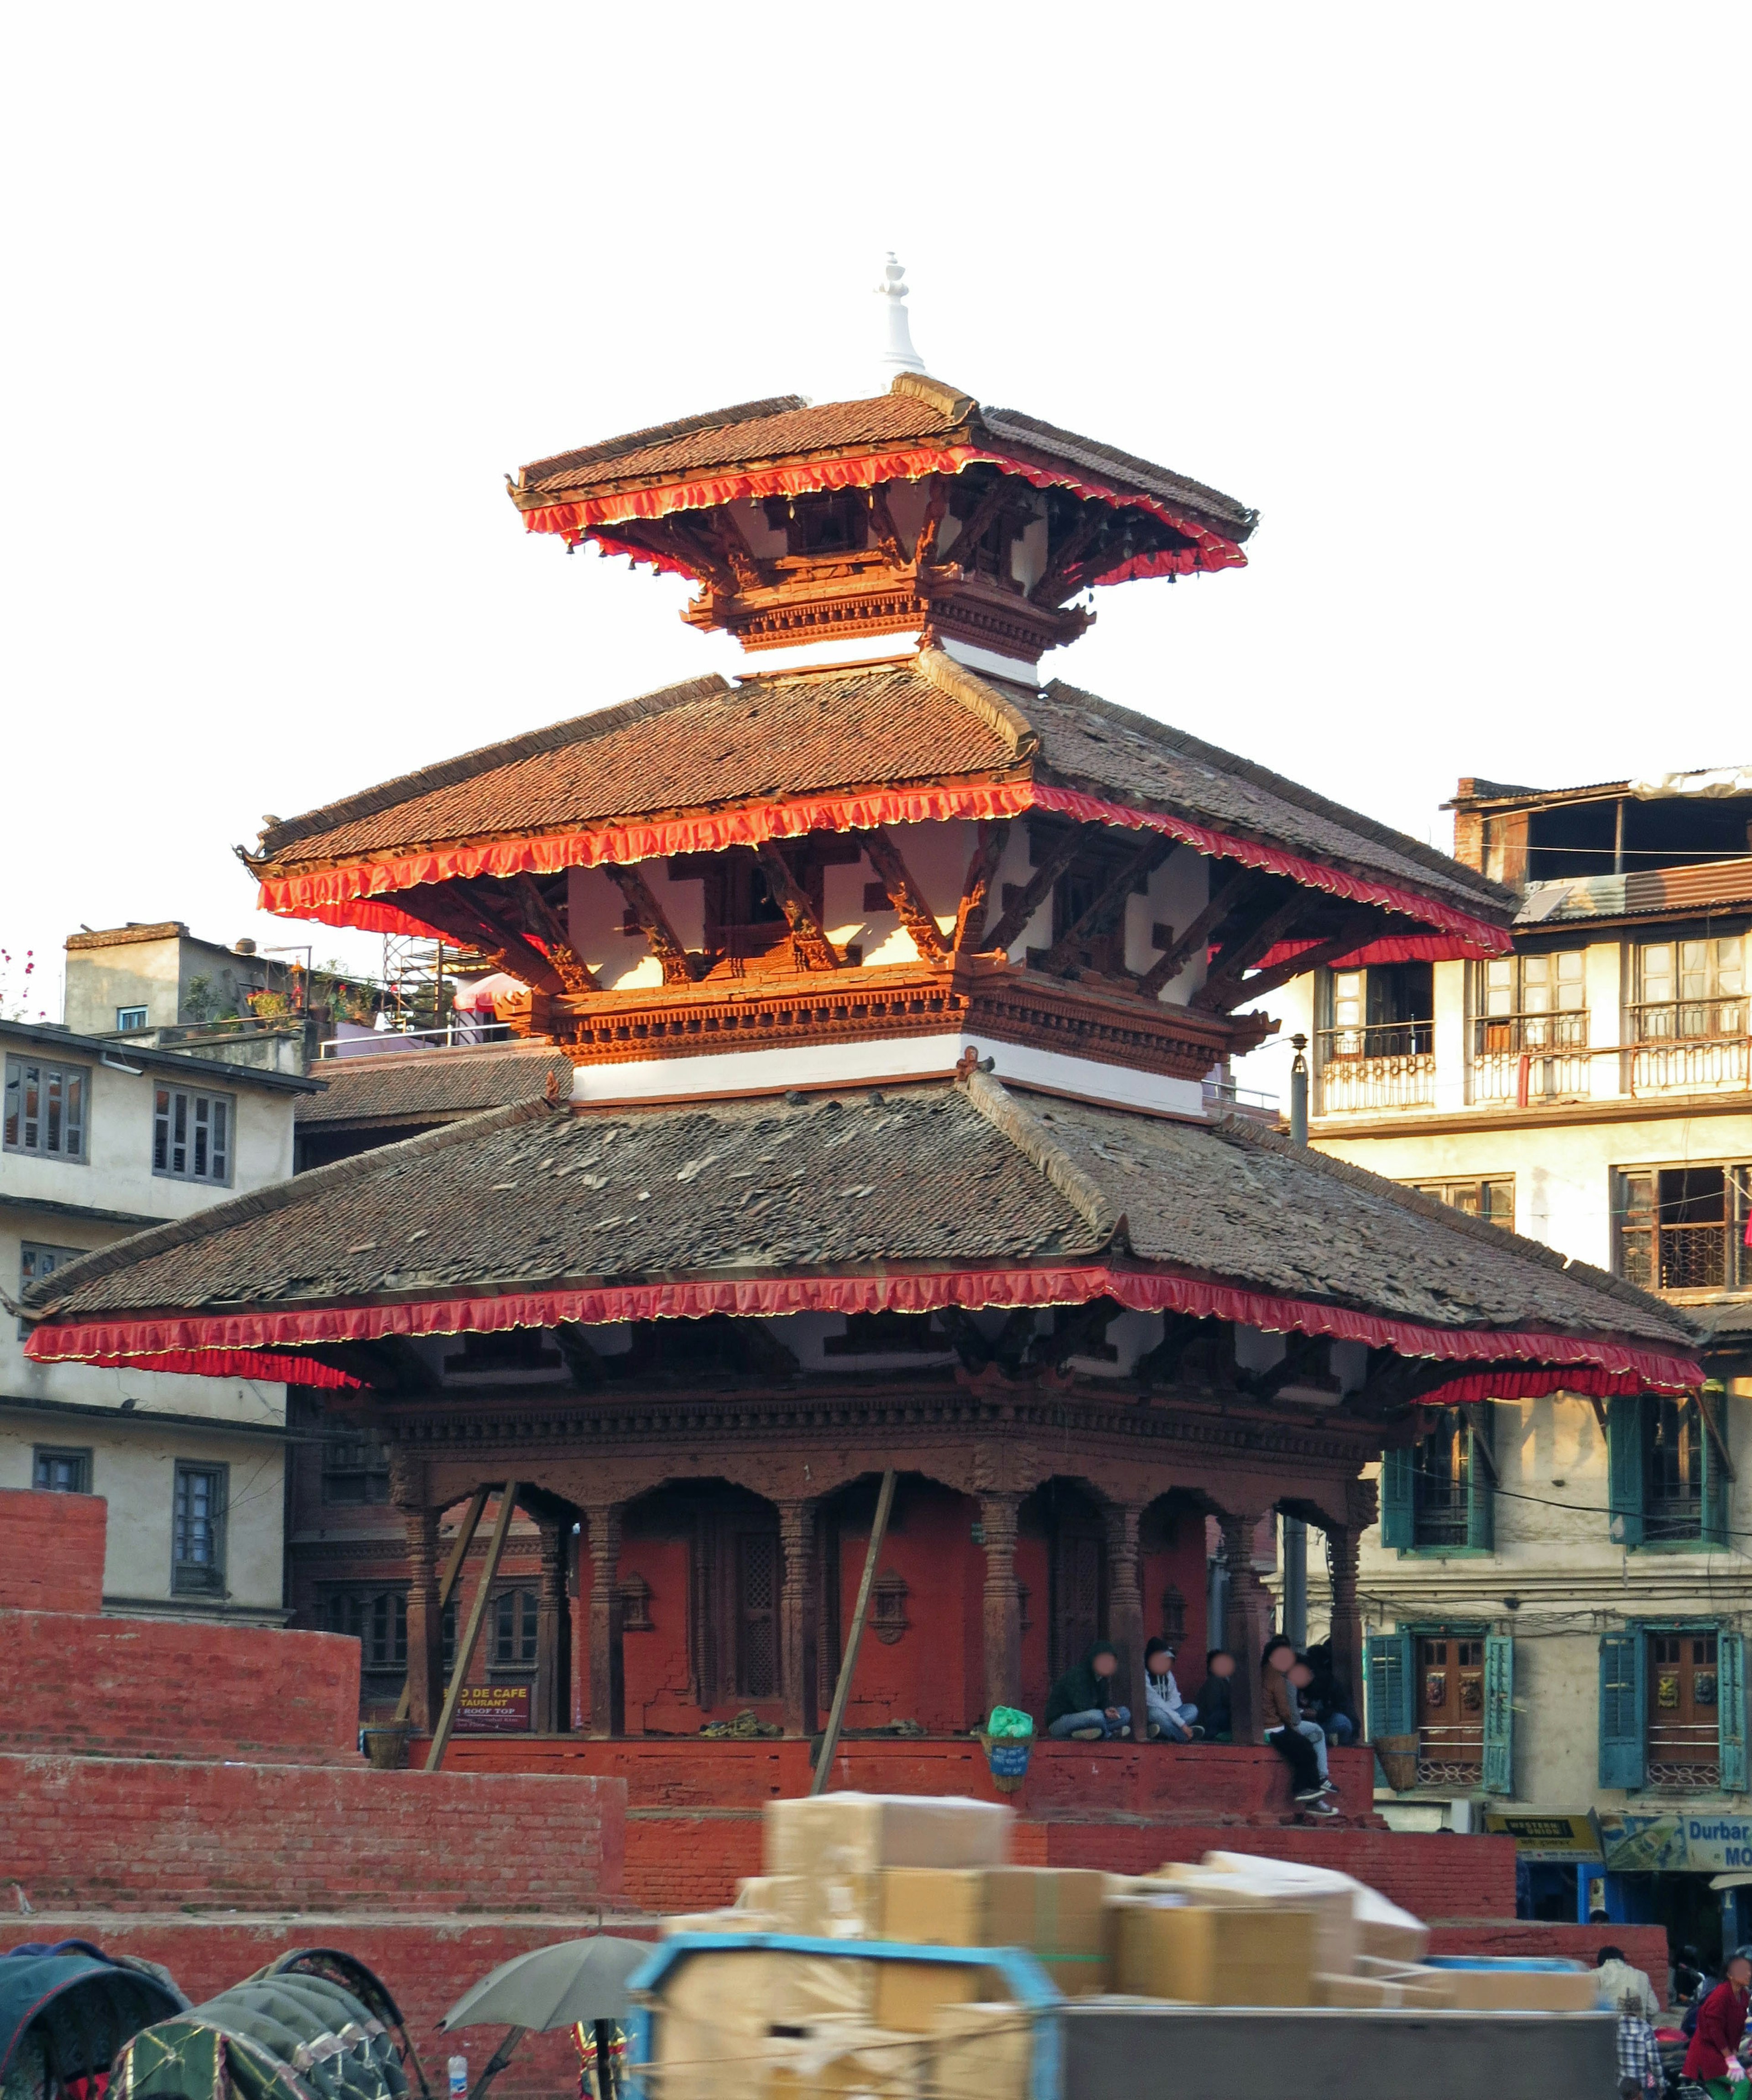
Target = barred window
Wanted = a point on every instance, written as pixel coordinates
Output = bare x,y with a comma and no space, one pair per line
192,1135
45,1111
1685,1228
514,1630
198,1529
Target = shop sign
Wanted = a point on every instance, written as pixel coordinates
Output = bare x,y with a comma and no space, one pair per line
493,1709
1705,1843
1574,1838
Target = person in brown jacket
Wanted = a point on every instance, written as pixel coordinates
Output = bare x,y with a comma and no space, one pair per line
1283,1721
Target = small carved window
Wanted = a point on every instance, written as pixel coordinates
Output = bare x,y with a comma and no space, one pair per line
635,1605
758,1615
1173,1617
888,1616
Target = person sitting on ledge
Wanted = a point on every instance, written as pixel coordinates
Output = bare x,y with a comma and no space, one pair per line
1328,1698
1079,1702
1169,1714
1213,1696
1284,1729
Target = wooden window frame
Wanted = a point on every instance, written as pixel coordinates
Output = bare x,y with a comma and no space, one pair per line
191,1577
59,1083
195,1123
82,1455
30,1269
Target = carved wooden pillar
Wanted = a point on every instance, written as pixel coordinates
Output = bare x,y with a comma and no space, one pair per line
553,1693
1125,1610
1347,1621
797,1591
1002,1603
607,1684
1246,1623
426,1622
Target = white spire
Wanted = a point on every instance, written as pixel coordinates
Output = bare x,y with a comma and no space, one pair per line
899,355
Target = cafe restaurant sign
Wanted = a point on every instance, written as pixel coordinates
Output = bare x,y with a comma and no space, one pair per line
493,1709
1551,1837
1707,1842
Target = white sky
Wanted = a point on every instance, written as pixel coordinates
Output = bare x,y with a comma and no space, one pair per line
1454,296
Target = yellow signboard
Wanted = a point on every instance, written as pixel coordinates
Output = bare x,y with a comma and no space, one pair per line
1572,1839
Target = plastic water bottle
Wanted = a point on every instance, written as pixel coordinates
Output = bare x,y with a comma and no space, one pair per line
459,2078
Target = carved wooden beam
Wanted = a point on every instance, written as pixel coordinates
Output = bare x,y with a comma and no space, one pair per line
903,894
1161,1365
460,909
555,933
925,552
888,537
711,564
1095,920
970,915
1187,945
737,551
815,950
678,966
1039,887
1355,931
962,549
1306,1359
1062,564
1395,1382
1223,989
1083,1333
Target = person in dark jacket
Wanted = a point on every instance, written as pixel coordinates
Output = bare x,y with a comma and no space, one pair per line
1082,1703
1721,2022
1213,1702
1328,1698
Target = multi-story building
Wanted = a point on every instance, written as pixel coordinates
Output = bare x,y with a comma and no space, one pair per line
1590,1091
102,1137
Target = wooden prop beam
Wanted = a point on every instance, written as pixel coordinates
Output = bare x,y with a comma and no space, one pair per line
1474,1414
925,551
964,548
904,894
1353,934
435,1756
555,933
1223,989
1062,564
813,944
1716,1437
1040,887
1061,955
842,1690
888,537
509,946
1187,945
665,943
970,914
452,1574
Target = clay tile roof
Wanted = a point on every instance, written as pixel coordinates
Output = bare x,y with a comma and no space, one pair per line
706,744
394,1086
787,428
525,1196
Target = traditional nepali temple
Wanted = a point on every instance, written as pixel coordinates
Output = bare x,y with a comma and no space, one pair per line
896,985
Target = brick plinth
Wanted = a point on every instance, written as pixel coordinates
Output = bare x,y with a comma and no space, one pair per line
54,1556
176,1688
130,1833
427,1963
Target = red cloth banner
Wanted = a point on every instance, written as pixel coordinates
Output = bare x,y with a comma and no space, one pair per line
911,1292
230,1363
345,896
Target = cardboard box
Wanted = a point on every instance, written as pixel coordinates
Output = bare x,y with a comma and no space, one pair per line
744,1992
1425,1987
1499,1987
857,1833
911,1996
981,2052
1054,1913
1204,1955
1331,1897
717,1921
834,2061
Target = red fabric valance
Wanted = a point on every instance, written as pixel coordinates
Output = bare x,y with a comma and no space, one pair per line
229,1363
1587,1379
913,1291
572,521
346,896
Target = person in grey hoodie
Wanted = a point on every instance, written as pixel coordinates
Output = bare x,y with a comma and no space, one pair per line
1170,1715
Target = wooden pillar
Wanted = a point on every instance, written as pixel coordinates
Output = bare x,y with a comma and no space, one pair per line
1002,1603
797,1591
1125,1610
607,1684
426,1622
1347,1621
553,1689
1245,1625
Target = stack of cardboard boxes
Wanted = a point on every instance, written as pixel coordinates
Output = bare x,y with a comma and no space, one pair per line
847,1870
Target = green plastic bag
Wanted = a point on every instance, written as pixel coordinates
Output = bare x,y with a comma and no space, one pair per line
1009,1723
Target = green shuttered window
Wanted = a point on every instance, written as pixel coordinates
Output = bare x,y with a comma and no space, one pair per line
1438,1495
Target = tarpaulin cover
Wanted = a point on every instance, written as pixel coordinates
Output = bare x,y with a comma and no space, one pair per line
68,2014
345,896
913,1291
287,2037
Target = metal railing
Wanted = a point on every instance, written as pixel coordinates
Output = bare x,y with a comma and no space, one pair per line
1390,1066
1688,1020
381,1040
